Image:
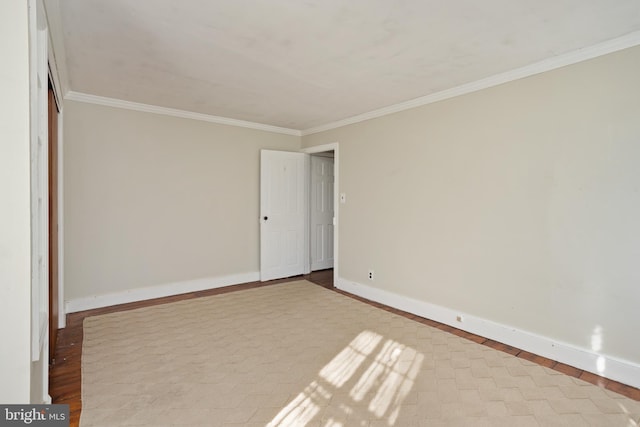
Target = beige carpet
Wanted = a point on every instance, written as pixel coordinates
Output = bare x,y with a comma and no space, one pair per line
296,354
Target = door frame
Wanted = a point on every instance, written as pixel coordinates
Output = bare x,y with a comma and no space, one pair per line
335,147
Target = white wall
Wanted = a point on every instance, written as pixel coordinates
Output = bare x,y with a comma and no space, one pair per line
518,204
15,263
153,200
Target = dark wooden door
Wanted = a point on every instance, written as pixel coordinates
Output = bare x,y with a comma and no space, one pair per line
53,224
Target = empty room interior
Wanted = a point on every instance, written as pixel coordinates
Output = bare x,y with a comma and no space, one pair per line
323,213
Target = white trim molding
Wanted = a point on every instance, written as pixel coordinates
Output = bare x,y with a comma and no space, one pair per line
39,155
57,52
600,364
159,291
148,108
580,55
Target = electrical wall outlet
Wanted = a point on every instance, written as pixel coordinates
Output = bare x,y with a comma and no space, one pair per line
370,276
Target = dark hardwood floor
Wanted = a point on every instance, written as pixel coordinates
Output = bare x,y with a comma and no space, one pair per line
65,373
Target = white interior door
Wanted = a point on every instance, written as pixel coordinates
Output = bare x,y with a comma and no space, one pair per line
284,234
322,181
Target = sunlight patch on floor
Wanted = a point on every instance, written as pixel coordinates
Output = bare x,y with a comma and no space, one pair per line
303,408
395,370
344,365
389,371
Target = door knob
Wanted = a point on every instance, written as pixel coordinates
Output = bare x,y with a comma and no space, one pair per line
266,218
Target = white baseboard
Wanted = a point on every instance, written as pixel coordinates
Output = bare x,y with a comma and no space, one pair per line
607,366
169,289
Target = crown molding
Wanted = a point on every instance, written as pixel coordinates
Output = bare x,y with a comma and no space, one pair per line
148,108
576,56
579,55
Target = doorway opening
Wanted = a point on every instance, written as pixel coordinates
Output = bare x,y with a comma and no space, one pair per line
321,210
324,184
53,210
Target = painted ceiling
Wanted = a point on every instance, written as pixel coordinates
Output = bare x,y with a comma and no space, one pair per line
302,64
